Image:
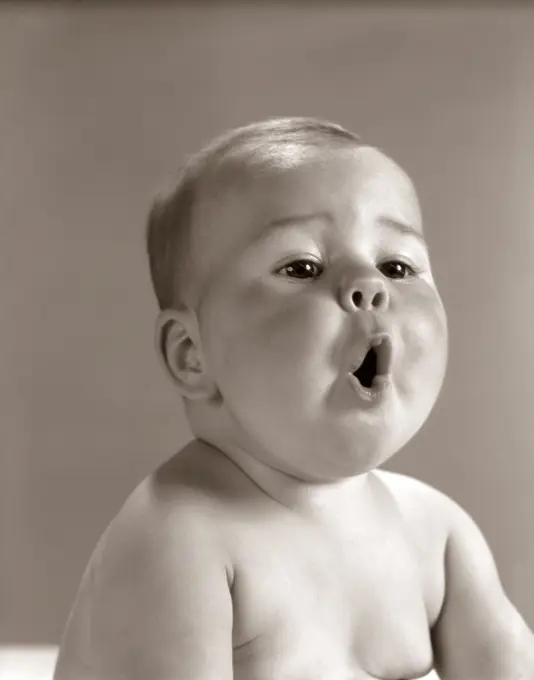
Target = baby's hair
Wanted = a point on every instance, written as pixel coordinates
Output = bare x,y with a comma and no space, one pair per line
275,142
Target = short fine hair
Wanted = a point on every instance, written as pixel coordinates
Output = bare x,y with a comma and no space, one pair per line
275,142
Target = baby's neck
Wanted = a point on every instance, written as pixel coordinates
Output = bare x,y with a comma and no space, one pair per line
300,495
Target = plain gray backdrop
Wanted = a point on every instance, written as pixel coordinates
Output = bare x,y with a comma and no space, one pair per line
98,105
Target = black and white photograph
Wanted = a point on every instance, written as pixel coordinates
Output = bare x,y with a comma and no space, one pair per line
267,340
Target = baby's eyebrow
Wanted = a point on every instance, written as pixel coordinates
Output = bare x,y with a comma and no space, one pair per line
389,223
403,228
301,218
296,220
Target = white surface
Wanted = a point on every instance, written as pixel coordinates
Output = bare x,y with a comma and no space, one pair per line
27,663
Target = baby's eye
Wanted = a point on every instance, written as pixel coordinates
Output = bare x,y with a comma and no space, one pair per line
301,269
396,269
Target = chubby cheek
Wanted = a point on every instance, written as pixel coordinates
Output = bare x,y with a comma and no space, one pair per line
424,336
261,334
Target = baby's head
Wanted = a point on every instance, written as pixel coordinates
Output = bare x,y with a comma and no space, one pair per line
300,320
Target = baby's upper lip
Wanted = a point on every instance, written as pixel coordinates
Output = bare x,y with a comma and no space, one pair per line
383,346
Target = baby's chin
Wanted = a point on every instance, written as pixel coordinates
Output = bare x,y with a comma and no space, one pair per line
367,448
339,459
366,458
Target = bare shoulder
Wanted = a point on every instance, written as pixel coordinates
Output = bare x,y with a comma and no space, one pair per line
187,498
424,505
427,511
157,565
420,504
174,518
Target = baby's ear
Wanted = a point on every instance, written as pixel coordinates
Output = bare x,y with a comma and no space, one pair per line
178,349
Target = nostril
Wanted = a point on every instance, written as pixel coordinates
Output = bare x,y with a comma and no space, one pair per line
357,298
379,299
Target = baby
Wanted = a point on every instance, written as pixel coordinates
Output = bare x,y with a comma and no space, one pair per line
301,324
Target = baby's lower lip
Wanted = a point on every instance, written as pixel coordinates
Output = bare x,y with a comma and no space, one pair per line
380,386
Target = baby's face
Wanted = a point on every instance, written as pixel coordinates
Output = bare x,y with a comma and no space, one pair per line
304,270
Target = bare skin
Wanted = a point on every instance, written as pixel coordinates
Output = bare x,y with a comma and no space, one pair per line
249,589
272,548
350,592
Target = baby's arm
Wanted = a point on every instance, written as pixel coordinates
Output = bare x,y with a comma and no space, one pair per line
479,634
164,608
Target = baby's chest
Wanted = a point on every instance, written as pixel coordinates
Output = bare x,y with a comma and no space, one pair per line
321,610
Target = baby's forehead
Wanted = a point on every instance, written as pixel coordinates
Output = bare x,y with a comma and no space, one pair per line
292,164
298,182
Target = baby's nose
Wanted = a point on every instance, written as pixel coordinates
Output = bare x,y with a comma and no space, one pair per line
367,294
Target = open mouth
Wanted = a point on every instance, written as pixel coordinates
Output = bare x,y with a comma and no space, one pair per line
376,363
